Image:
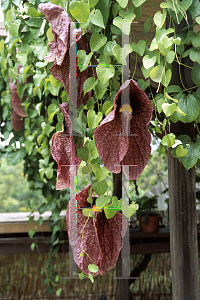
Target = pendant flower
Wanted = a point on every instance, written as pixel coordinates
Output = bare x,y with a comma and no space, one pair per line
63,151
132,149
59,50
101,238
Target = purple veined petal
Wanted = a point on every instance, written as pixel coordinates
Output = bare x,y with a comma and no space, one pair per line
101,238
110,145
139,150
110,236
131,150
75,224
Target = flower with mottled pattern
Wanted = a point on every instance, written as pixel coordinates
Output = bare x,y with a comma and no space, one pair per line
59,51
131,148
99,240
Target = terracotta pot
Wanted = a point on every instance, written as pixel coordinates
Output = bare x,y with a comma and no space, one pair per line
151,225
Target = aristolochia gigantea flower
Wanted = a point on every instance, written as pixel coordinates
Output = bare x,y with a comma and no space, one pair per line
63,151
132,148
98,240
59,50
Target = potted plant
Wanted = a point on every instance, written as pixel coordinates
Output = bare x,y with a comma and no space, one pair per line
148,218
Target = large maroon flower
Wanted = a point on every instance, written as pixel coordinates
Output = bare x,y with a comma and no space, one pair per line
132,149
59,50
63,151
101,238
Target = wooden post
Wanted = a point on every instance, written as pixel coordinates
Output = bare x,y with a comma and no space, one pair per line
122,284
182,207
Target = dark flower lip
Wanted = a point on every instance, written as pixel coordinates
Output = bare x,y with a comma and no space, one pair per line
102,238
133,149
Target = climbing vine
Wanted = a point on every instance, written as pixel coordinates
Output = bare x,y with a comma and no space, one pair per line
37,108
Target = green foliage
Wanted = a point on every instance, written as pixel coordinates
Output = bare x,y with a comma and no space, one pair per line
147,207
27,44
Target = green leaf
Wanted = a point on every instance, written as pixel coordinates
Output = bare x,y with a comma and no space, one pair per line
47,128
195,55
58,292
92,3
22,57
108,50
159,104
168,140
180,151
106,106
33,246
159,18
196,74
93,119
198,20
83,59
81,275
138,3
189,106
97,18
31,233
93,150
173,89
117,52
169,109
83,153
147,24
195,8
89,84
96,41
104,73
92,268
149,62
123,3
38,77
196,40
167,78
125,208
80,10
4,4
113,208
100,187
52,110
42,208
190,159
146,72
14,157
13,27
170,56
101,201
53,81
139,47
100,172
157,73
